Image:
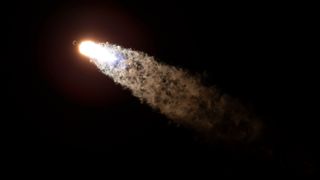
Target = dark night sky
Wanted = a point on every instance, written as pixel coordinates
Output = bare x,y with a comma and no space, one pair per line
60,106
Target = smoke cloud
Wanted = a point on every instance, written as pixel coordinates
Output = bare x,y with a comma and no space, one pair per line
181,96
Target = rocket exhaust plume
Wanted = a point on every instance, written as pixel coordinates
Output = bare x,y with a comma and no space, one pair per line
175,93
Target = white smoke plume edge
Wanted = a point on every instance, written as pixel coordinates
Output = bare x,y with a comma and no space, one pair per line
181,97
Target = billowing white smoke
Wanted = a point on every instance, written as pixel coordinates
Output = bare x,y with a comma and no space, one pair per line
174,92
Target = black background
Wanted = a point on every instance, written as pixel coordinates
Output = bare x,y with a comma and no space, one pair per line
62,109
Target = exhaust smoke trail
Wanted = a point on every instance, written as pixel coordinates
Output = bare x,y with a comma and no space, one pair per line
175,93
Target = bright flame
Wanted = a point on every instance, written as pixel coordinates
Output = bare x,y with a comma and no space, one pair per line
97,52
